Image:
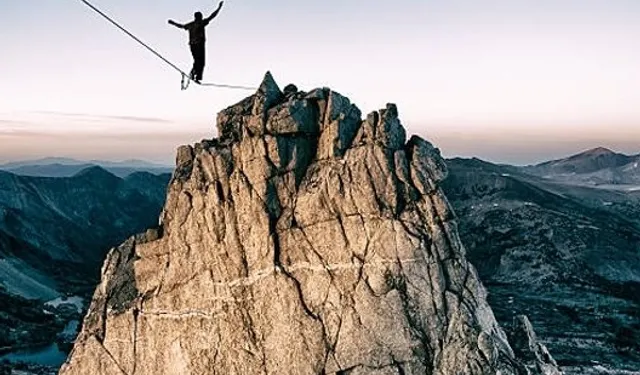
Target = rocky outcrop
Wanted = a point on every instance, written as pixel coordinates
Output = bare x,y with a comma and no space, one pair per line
527,348
303,240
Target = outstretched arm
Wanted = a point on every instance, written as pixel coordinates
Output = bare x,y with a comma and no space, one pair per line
215,12
174,23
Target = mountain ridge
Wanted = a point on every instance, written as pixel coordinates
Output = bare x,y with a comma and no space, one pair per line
565,252
62,167
64,206
71,161
54,233
598,166
584,162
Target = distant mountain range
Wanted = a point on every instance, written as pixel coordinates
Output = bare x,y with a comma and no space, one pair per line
557,243
66,167
599,166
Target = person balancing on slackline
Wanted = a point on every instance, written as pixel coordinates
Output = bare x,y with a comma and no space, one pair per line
197,40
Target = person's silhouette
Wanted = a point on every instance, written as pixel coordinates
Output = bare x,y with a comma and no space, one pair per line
197,40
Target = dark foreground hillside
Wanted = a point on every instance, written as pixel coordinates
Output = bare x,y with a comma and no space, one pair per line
568,256
54,234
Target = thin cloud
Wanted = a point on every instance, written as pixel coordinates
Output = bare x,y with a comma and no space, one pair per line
141,119
14,123
89,116
159,147
129,136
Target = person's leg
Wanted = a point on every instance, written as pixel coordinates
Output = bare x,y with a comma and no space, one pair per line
194,54
201,61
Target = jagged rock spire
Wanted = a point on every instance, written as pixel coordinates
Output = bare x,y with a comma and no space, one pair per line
303,240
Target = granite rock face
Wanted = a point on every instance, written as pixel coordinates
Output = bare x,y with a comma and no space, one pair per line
303,240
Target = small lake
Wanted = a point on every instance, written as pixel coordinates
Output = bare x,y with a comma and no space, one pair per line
49,355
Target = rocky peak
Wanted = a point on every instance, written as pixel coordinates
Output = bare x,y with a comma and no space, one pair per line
585,162
598,151
535,355
98,175
302,240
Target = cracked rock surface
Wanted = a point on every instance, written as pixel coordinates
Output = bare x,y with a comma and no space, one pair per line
303,240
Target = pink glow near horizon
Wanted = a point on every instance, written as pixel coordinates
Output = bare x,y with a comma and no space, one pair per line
507,80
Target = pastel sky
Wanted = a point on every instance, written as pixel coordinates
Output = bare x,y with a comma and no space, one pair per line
514,81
